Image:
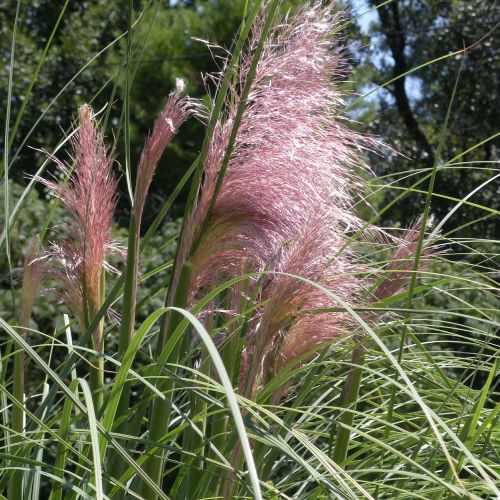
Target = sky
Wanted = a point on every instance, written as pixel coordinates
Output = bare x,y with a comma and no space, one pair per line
365,16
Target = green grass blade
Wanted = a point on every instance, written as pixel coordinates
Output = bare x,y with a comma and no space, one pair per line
35,490
97,471
121,376
231,398
351,392
63,451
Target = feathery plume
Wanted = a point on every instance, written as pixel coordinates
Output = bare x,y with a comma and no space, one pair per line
176,111
286,202
286,328
32,278
311,331
291,161
89,196
400,267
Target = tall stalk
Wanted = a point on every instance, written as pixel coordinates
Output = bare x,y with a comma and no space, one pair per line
349,400
16,482
130,284
31,282
160,416
116,464
129,291
96,373
96,370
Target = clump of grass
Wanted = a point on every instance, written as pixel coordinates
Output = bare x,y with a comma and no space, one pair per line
284,362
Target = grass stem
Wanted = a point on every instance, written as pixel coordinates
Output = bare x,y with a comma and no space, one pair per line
349,400
161,409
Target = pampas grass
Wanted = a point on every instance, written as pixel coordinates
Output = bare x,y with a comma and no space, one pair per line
299,352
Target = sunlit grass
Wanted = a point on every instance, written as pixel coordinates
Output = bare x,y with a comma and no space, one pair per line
406,407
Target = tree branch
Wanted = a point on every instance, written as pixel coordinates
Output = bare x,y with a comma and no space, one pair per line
395,36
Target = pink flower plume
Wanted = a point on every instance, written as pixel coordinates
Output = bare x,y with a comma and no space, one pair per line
32,277
400,268
292,160
287,326
89,196
176,111
286,203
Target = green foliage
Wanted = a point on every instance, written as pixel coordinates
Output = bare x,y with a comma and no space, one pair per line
352,421
409,112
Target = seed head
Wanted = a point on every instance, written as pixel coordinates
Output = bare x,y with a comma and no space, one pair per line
89,196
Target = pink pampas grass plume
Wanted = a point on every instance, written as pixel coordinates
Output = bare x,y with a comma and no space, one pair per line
293,158
287,329
89,196
286,203
176,111
400,268
312,331
32,277
286,200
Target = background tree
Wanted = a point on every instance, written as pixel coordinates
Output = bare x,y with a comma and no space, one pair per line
409,113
